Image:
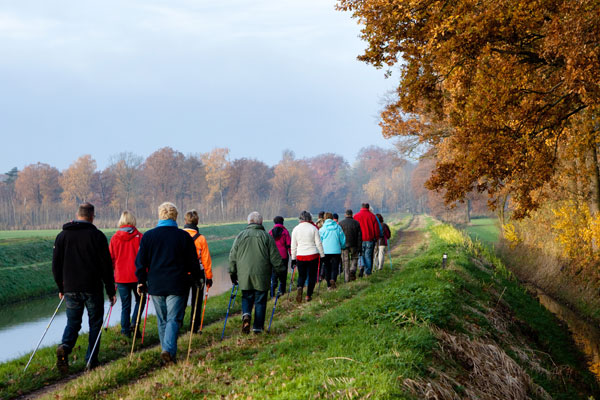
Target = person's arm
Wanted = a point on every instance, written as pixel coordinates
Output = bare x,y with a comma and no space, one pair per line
319,244
288,241
233,260
57,264
274,256
205,258
106,268
294,245
142,262
342,237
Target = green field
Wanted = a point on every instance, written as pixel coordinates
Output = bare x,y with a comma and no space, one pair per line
484,229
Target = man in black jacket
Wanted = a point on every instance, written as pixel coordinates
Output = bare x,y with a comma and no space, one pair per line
350,254
81,263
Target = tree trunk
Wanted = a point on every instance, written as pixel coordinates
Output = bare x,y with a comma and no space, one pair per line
594,181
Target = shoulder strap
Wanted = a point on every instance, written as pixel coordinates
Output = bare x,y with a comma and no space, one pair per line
196,236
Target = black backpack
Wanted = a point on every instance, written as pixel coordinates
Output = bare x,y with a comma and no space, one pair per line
277,232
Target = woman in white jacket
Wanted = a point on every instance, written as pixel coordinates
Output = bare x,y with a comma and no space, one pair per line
307,251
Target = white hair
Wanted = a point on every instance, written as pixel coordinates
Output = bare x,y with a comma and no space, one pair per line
255,218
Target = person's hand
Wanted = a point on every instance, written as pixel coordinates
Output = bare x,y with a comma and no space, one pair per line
234,278
113,300
293,264
209,283
199,283
141,288
61,295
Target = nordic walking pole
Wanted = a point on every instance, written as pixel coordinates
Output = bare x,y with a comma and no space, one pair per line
44,334
145,317
291,282
231,297
108,320
319,276
203,309
137,324
273,312
193,323
87,366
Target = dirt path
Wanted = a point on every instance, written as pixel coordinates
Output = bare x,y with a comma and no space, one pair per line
410,239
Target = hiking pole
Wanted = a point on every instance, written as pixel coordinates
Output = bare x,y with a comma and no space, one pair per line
137,324
193,323
108,320
273,312
291,282
87,366
145,318
231,297
203,309
44,334
319,275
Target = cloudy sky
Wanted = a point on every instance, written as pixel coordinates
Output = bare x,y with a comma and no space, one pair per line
102,77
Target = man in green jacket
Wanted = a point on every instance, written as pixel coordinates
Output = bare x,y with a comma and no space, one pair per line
253,257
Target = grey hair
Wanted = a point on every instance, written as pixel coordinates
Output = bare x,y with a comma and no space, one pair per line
255,218
305,216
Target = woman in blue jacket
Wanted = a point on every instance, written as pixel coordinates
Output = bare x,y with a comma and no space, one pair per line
334,241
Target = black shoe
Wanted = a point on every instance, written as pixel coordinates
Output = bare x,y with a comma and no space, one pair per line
62,359
361,273
166,358
246,324
257,331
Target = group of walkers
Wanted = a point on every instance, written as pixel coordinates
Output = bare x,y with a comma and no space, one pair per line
165,262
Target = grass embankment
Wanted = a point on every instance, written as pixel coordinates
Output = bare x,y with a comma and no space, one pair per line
467,331
26,261
484,229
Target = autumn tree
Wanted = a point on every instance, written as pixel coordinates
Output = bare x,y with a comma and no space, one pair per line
329,178
216,164
76,181
248,186
162,175
291,188
126,168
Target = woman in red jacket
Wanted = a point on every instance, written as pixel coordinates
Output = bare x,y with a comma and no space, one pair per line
123,247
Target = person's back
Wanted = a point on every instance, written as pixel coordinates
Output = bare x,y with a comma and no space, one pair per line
351,228
332,237
368,224
306,240
123,247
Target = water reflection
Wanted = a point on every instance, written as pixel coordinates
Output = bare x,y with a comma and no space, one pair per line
22,324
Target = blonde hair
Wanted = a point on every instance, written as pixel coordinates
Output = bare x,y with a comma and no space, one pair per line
127,218
191,217
167,210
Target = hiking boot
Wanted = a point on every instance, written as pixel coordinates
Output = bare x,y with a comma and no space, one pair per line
308,298
332,284
299,295
166,358
361,272
246,324
62,359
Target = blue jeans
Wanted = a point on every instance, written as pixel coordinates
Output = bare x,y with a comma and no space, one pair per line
76,302
257,299
125,290
367,256
169,312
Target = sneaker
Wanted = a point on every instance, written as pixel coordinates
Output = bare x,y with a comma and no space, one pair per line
62,359
166,358
246,324
299,295
257,331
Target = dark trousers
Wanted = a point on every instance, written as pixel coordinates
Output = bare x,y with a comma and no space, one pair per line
76,302
331,266
279,279
258,300
307,268
128,319
196,310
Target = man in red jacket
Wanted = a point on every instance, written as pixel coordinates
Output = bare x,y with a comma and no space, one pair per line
370,233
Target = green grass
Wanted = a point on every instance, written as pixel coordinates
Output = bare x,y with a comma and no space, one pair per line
362,340
484,229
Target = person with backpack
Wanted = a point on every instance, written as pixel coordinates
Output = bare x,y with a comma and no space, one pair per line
191,226
166,260
369,228
123,247
307,252
283,242
382,242
351,252
333,239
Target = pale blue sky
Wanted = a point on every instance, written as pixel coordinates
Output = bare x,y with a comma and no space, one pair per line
261,76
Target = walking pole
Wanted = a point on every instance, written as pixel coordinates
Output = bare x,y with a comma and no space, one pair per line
108,320
145,317
137,324
44,334
273,312
291,282
87,366
231,297
193,323
319,275
203,310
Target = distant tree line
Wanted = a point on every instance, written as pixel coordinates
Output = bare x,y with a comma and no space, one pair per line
221,189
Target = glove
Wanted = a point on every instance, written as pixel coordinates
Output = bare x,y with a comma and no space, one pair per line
234,278
199,283
293,264
209,283
142,288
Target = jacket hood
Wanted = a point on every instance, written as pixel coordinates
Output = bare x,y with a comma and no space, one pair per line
78,225
127,234
330,225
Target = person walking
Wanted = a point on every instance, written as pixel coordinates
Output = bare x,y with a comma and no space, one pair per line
123,248
351,252
370,233
205,262
283,241
320,219
382,242
81,265
306,251
166,259
333,239
252,259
